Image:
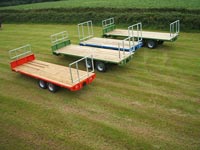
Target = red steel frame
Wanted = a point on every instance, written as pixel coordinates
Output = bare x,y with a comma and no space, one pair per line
31,57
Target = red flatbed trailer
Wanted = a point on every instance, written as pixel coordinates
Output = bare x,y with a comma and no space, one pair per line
50,75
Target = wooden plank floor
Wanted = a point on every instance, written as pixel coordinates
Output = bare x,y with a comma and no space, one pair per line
97,53
108,42
57,73
145,34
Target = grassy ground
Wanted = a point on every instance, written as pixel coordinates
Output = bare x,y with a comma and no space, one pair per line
151,103
192,4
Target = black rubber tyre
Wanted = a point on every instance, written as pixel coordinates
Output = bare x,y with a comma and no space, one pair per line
100,66
143,43
52,88
160,42
56,54
105,36
88,64
151,44
42,84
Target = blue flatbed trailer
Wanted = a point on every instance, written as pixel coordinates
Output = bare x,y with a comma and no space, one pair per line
86,37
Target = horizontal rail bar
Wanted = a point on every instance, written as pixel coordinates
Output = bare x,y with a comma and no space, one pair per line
27,45
85,22
59,33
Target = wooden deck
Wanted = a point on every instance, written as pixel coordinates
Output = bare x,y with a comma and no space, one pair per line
97,53
145,34
51,72
107,42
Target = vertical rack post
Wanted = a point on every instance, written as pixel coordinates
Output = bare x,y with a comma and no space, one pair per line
80,76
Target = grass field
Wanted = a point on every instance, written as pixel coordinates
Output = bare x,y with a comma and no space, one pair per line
151,103
192,4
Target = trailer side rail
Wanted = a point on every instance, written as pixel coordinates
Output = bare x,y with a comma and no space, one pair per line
59,40
76,64
85,30
174,28
138,35
108,25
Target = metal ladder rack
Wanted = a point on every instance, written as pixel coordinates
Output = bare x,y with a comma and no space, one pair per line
108,25
108,22
59,37
121,47
59,40
131,28
20,52
86,58
174,28
81,30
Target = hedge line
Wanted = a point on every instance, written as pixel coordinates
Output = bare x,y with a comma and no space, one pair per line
154,18
19,2
118,10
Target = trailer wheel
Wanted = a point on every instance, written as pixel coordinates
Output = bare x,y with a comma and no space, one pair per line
42,84
143,43
100,66
160,42
52,88
151,44
88,64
